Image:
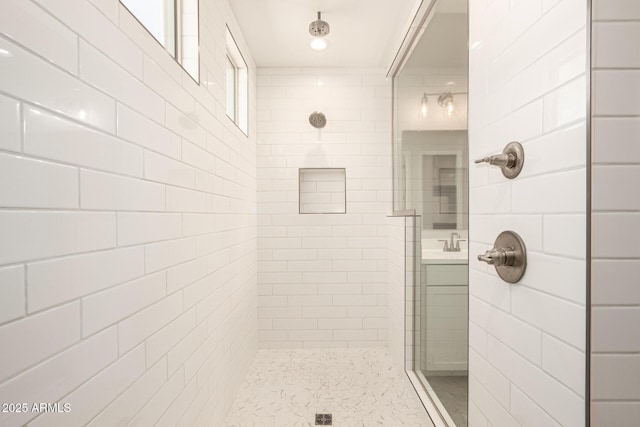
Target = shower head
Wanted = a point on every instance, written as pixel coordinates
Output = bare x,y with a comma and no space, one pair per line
317,120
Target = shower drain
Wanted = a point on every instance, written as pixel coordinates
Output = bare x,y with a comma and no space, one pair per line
323,419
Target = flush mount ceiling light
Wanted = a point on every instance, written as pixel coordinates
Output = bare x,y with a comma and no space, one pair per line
319,29
446,101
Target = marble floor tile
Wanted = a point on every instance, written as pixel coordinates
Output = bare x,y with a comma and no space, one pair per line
359,387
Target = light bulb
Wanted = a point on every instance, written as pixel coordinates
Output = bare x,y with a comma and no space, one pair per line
319,43
450,108
424,105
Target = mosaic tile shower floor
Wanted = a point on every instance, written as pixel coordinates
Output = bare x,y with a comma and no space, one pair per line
359,387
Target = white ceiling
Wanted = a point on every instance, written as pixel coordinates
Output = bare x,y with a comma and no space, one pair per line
364,33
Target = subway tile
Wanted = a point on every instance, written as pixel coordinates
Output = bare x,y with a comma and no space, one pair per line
184,274
610,329
310,335
558,276
163,169
163,84
112,305
185,200
166,338
564,363
109,8
568,143
178,355
54,89
615,377
613,282
10,124
566,105
136,128
616,10
626,413
35,235
173,415
199,290
295,323
559,401
48,333
561,195
135,227
527,412
607,192
610,42
564,62
279,312
161,255
610,235
101,72
155,407
65,279
355,334
127,404
196,156
60,374
95,394
143,324
112,192
185,124
565,235
490,378
56,138
27,24
615,142
98,30
610,92
560,318
523,338
490,289
36,183
12,293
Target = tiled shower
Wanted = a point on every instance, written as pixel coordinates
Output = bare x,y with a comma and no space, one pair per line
149,247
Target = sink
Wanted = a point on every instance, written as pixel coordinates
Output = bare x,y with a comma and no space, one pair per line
438,256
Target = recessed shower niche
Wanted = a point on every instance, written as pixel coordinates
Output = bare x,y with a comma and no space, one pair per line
322,190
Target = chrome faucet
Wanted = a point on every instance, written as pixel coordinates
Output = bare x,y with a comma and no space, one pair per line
450,245
454,248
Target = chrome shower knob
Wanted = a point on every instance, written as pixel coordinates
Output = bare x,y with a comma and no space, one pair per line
508,256
510,160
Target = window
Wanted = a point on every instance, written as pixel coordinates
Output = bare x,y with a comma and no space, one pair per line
174,24
237,85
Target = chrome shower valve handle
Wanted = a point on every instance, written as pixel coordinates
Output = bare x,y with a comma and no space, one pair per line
499,257
510,160
508,256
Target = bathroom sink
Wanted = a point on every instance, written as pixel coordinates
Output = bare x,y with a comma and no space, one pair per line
438,256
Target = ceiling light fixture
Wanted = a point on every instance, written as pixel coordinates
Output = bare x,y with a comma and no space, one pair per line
319,29
446,101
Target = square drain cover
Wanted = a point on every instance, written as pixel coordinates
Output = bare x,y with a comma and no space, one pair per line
323,419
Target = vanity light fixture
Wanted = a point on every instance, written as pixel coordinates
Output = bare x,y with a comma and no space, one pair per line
424,105
319,29
446,101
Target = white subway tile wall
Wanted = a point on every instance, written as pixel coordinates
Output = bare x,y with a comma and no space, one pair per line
323,277
527,83
615,380
128,271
